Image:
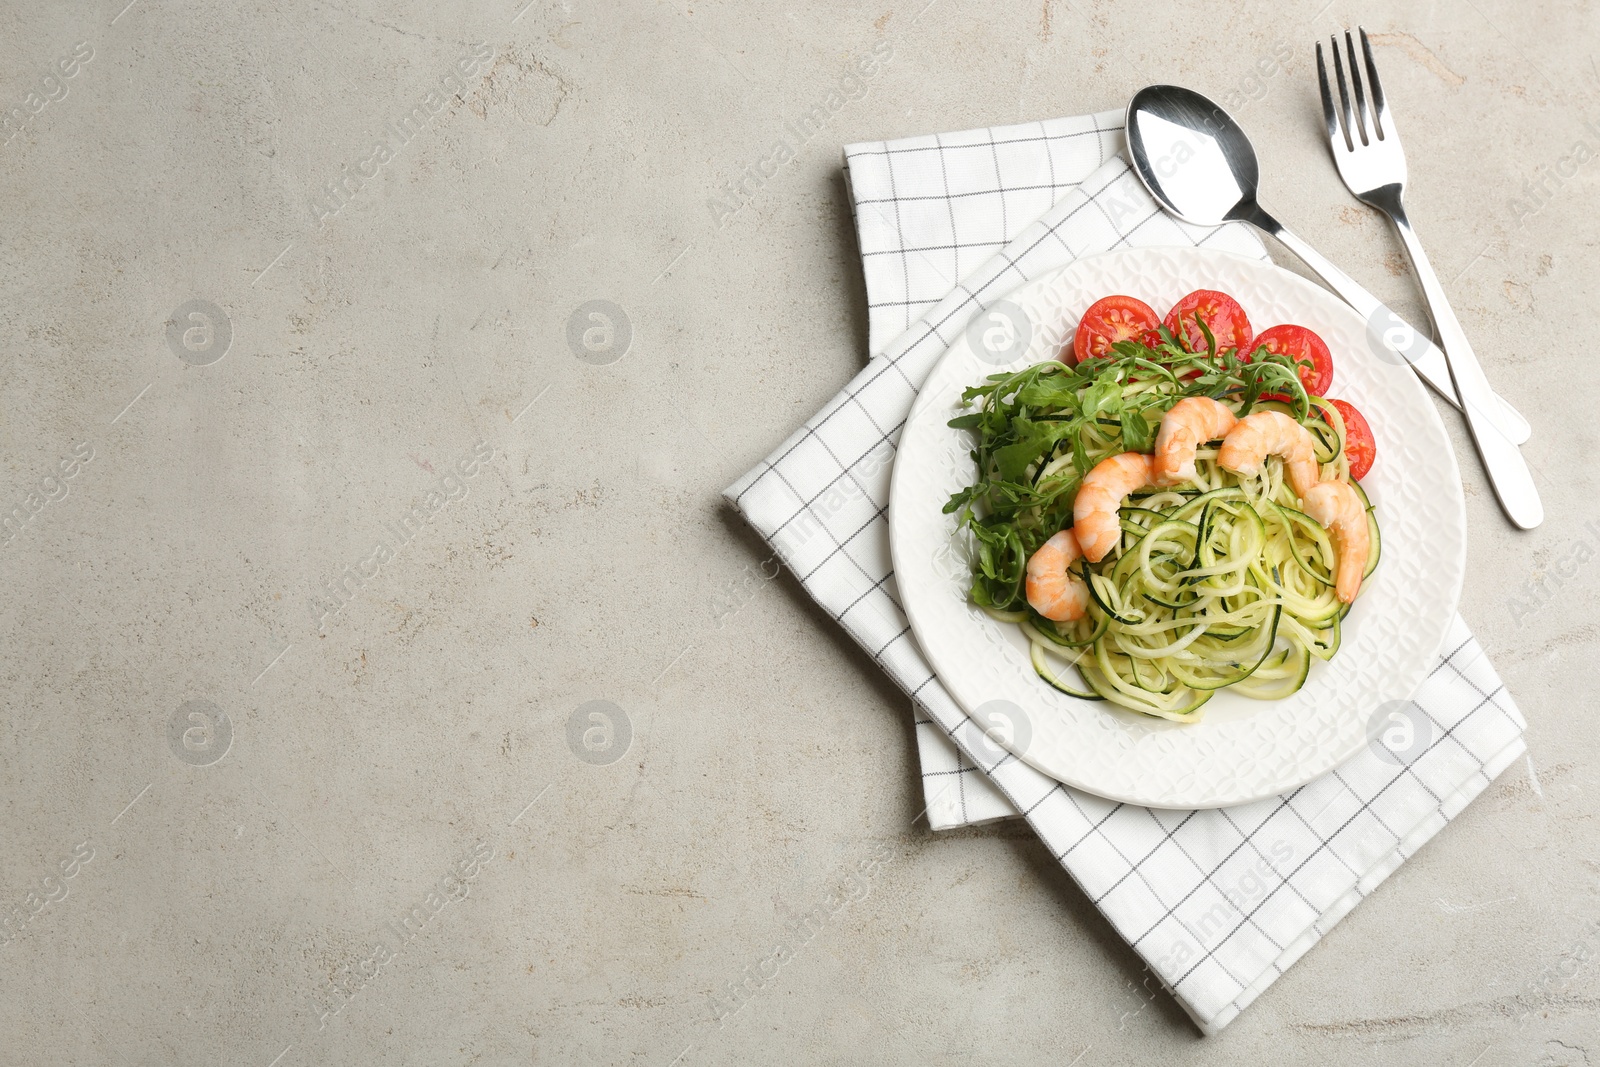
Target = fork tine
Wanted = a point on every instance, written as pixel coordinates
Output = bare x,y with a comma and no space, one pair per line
1363,116
1344,95
1380,109
1329,116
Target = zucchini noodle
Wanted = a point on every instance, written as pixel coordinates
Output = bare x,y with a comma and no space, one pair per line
1222,582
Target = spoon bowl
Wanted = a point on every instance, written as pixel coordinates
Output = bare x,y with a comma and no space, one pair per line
1192,156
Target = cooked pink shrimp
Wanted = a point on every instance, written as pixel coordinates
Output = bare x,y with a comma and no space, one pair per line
1052,590
1190,423
1272,433
1339,508
1094,512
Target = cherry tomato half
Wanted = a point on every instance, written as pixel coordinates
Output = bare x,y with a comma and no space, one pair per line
1359,444
1222,315
1109,320
1302,346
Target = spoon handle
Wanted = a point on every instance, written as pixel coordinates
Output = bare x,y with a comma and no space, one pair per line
1401,342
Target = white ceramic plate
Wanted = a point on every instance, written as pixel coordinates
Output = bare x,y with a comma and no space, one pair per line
1244,749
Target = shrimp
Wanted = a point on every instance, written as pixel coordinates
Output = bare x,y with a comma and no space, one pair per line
1052,589
1094,513
1190,423
1339,509
1272,433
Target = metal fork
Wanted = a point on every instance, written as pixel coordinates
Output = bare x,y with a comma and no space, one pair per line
1367,150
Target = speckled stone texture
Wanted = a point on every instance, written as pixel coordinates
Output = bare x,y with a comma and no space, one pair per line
384,680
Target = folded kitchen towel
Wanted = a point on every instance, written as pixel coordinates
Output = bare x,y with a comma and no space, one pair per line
1220,902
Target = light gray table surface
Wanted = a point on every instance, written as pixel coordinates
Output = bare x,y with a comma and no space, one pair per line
252,787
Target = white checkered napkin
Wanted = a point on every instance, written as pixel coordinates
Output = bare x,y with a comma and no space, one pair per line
1158,876
931,210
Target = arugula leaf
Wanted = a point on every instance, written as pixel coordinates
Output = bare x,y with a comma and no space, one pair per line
1033,439
1104,396
1137,433
1053,393
1080,457
1211,341
960,499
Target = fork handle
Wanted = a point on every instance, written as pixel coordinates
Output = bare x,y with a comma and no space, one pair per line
1423,355
1508,470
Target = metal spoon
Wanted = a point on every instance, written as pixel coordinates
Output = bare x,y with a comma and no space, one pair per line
1199,165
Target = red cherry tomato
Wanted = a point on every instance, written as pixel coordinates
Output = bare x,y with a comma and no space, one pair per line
1222,315
1359,444
1302,346
1109,320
